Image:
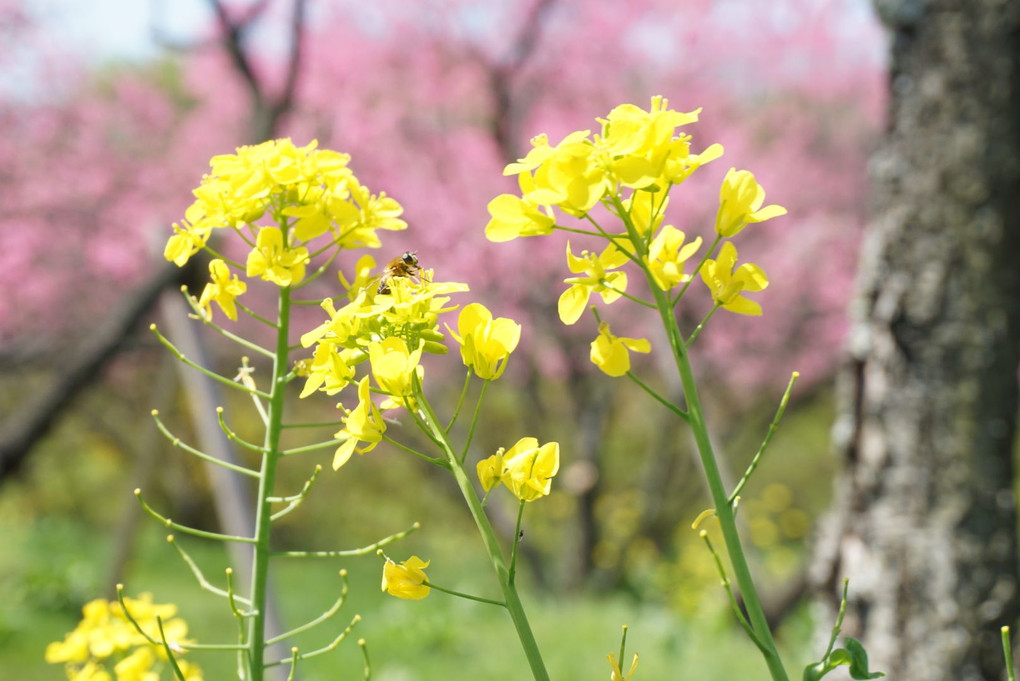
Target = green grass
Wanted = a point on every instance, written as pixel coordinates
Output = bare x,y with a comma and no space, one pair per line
50,567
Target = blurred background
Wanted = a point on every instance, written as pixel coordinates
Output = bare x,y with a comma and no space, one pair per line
112,110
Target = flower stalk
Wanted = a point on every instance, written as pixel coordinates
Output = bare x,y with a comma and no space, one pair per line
511,599
267,477
717,490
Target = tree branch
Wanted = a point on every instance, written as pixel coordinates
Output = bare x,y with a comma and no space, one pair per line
20,431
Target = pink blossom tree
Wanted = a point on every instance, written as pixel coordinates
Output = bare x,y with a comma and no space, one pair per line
432,99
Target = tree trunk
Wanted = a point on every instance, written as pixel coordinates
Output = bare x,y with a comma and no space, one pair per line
925,524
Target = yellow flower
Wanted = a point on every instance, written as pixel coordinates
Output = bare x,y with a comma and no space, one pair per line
223,289
728,284
490,470
667,254
740,199
307,191
611,353
406,580
363,424
570,177
393,366
368,213
539,153
105,636
342,325
646,210
363,276
639,142
681,164
274,262
182,245
616,674
137,666
530,468
328,371
513,216
596,280
91,671
485,343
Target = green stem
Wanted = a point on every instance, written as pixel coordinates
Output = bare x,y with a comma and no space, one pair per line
267,476
723,509
512,600
1007,651
460,400
460,594
517,541
765,443
657,397
474,421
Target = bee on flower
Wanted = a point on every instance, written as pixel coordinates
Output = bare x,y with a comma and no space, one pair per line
406,265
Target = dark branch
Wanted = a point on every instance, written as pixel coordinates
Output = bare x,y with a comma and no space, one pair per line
20,431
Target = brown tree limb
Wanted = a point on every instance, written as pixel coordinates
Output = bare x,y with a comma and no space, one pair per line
266,110
81,368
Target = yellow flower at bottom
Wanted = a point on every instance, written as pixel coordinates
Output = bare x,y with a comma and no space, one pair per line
611,353
137,666
406,580
617,674
105,644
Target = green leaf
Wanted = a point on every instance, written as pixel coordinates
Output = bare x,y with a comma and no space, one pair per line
839,656
859,661
815,671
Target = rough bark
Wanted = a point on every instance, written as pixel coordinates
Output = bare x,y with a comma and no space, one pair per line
925,526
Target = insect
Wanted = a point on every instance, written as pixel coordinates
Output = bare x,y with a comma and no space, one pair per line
404,266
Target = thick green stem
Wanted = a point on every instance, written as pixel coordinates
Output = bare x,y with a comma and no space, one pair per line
267,477
511,599
723,509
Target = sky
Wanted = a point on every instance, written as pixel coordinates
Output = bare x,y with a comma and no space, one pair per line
101,31
107,29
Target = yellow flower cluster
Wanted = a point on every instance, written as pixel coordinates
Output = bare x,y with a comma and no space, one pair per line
106,646
637,150
279,198
390,330
628,169
391,327
526,469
